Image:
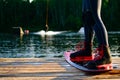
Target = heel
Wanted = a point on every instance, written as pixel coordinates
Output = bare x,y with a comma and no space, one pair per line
105,67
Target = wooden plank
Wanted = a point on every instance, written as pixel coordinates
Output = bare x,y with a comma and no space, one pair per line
48,69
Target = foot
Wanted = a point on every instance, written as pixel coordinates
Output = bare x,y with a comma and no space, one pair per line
102,59
84,54
81,56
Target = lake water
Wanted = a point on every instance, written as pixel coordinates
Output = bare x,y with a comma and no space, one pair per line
49,46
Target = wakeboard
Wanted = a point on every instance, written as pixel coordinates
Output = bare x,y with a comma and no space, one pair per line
81,67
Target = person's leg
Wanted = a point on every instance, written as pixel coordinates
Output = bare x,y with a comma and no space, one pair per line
88,22
99,28
103,58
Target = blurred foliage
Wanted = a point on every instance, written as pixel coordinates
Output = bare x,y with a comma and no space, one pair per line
62,14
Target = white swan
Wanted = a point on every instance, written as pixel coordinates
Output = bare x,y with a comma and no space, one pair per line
81,31
42,32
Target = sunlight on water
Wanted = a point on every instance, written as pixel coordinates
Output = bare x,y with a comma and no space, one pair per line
36,45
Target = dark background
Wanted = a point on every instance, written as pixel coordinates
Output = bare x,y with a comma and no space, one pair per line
62,14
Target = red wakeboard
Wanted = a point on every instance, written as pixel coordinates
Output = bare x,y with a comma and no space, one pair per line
81,67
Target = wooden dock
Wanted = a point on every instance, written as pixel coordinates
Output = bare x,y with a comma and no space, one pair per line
49,69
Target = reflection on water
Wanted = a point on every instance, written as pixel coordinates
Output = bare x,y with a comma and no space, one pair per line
35,46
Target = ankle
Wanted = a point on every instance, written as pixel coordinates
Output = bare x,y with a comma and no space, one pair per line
103,53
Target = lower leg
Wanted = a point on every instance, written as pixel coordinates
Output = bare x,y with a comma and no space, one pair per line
88,22
103,56
86,53
99,28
